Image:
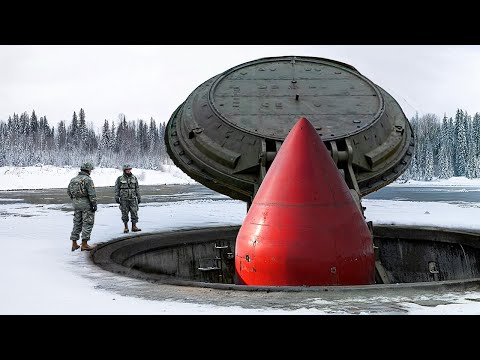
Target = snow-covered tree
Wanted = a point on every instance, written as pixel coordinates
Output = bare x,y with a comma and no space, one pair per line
82,128
445,167
428,174
152,135
62,135
113,138
461,153
105,139
74,132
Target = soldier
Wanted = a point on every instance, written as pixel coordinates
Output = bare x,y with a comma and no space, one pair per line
82,192
127,194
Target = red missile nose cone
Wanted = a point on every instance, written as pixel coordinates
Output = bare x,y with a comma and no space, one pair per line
304,227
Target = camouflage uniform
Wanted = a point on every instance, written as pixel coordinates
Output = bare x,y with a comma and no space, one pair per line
127,194
82,192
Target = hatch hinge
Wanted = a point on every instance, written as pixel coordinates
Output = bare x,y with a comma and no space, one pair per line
342,155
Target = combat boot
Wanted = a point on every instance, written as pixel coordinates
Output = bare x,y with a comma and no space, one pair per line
86,247
75,246
135,228
125,230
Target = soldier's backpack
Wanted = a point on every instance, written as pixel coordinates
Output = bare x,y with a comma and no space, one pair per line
77,187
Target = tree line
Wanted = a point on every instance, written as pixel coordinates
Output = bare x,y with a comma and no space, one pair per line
443,148
26,140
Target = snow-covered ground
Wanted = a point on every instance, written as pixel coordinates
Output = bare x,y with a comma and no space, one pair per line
40,275
454,181
52,177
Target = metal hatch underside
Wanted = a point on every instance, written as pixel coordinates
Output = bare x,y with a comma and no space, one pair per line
265,99
227,132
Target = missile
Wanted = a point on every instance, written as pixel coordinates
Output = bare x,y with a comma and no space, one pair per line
304,228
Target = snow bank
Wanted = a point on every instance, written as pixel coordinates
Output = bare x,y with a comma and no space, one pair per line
51,177
454,181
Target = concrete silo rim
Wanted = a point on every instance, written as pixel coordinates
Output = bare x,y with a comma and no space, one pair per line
106,255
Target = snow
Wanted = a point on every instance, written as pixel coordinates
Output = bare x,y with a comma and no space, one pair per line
52,177
454,181
40,275
389,212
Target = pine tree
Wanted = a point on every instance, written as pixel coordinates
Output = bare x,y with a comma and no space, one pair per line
445,166
74,132
105,141
470,160
142,136
62,135
429,162
476,142
41,134
113,138
461,145
91,142
471,172
153,135
82,128
123,139
34,124
24,124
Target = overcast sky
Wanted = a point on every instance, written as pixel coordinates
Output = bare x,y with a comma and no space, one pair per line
151,81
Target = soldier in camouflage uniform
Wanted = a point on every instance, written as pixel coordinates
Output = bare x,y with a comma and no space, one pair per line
127,194
82,192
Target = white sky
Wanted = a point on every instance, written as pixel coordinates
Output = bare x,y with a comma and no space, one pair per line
40,275
143,81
